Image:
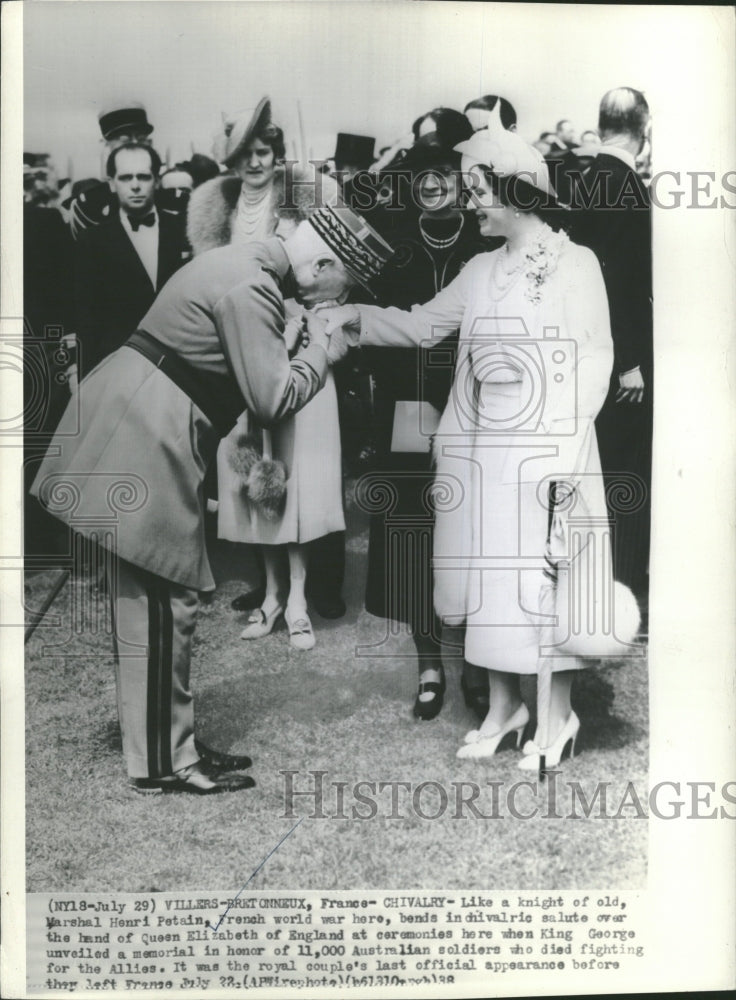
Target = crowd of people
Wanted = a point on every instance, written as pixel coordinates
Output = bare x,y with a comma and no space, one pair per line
240,326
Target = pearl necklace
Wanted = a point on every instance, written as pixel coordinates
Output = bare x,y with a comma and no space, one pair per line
435,242
252,213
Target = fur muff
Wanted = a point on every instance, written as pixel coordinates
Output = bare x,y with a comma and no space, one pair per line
262,480
267,487
213,204
242,454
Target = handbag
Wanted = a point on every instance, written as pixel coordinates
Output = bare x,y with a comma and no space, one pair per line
415,423
595,616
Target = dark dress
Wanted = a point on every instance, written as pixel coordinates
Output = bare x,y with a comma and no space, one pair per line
399,584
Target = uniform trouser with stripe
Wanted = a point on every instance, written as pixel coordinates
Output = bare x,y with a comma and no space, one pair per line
153,621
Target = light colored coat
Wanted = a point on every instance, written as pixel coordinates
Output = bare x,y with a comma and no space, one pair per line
529,381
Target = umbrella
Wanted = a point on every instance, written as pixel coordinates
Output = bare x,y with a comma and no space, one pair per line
556,575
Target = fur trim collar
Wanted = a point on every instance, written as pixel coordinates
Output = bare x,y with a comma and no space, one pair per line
213,204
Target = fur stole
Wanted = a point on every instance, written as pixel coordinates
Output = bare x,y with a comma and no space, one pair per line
213,204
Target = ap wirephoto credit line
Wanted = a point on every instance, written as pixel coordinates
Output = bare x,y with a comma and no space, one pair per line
368,544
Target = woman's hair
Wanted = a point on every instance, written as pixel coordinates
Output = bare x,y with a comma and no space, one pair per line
273,136
488,102
517,193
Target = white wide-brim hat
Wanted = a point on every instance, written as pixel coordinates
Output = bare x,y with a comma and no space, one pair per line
239,130
506,154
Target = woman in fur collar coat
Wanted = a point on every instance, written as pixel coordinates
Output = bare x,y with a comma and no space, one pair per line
215,206
262,198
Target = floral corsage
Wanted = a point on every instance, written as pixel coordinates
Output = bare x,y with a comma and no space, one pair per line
540,261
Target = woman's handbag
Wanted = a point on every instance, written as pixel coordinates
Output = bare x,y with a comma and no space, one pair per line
595,616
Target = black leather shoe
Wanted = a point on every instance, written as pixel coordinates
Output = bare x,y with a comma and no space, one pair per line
250,600
475,694
427,710
195,779
328,606
222,761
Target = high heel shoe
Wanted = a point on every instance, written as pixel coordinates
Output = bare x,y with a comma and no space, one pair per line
479,747
554,752
261,624
432,707
301,635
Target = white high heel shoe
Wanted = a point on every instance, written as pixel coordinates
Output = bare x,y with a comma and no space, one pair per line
261,624
479,747
553,753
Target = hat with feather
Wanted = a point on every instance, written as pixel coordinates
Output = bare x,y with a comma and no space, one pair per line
239,129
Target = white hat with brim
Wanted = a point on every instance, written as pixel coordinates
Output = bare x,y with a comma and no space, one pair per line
506,154
239,130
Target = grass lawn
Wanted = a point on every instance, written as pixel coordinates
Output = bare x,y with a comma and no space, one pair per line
328,710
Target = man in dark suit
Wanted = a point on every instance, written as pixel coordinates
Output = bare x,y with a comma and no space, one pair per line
122,263
612,215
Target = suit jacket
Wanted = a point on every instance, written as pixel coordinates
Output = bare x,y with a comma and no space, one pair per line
129,456
112,290
612,216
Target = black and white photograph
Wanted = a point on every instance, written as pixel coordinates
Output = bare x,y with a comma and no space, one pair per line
365,524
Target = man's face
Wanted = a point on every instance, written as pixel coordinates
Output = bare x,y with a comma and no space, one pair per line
323,280
177,180
142,138
566,132
133,184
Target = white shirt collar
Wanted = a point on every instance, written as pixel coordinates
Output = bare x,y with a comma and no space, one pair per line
145,244
125,219
620,153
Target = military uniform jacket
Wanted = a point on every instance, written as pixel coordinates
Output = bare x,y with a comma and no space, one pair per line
129,457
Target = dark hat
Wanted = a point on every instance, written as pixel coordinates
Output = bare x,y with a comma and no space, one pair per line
80,188
239,130
121,120
437,146
35,160
202,168
354,149
363,252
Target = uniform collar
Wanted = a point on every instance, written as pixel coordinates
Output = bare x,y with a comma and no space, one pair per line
620,153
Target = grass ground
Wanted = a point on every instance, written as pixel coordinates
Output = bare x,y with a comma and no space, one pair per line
328,710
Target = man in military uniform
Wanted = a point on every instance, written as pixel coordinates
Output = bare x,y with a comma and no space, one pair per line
150,418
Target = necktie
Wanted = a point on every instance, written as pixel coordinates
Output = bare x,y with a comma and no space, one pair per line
147,220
